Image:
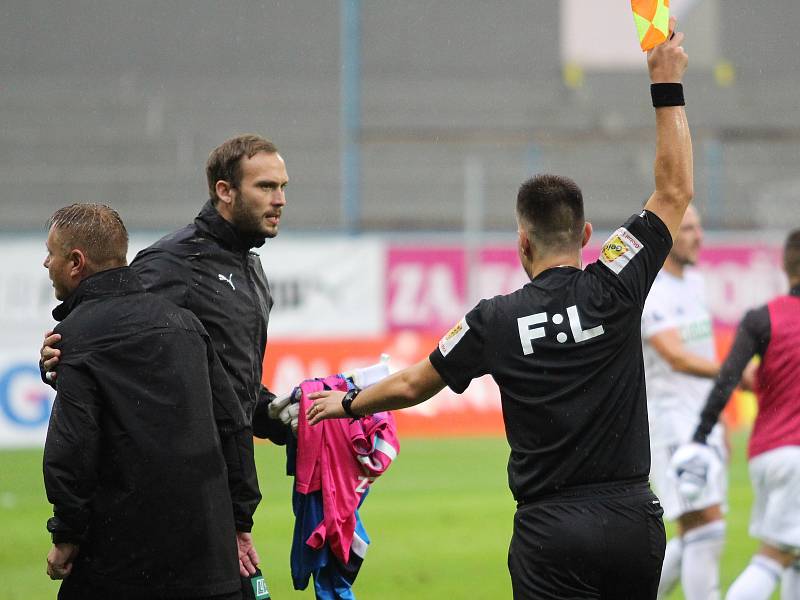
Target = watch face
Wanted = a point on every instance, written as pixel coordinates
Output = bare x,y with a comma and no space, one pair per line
346,402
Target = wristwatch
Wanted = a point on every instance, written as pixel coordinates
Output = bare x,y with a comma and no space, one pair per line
348,400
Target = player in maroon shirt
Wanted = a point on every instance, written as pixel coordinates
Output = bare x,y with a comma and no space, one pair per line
772,332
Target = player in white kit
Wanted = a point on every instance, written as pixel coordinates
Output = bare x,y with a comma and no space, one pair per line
680,361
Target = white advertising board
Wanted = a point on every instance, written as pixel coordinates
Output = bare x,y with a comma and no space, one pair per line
26,299
321,287
325,287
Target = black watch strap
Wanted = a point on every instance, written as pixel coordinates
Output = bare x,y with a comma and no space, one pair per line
348,400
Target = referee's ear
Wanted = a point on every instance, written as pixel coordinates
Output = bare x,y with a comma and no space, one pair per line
524,244
587,233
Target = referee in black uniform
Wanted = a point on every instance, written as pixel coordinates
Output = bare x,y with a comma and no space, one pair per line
566,353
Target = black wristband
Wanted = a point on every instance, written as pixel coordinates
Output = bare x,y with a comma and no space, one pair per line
348,400
667,94
701,437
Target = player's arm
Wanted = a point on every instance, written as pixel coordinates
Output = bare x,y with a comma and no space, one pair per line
674,177
669,346
405,388
748,380
751,337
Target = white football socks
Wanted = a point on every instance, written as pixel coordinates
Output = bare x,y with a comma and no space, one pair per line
757,581
790,582
671,569
702,549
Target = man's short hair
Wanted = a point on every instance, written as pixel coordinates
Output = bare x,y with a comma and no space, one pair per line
95,229
225,162
791,255
550,208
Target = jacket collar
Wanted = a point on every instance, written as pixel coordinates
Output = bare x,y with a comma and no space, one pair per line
112,282
211,222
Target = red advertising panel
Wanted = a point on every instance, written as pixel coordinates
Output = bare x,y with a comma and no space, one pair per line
476,412
429,288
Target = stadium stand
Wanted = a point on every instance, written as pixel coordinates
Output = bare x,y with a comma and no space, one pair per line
99,102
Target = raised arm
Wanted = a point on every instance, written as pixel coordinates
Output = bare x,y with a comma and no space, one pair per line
673,165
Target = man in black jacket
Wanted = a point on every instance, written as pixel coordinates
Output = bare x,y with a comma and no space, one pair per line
148,458
208,267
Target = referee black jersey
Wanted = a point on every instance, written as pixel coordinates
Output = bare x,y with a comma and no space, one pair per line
566,353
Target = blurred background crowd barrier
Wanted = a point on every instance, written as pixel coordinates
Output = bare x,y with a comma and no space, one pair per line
341,302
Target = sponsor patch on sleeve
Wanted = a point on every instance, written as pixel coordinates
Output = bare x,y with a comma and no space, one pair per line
619,250
452,337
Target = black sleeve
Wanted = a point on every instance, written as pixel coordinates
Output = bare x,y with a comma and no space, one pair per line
164,274
634,254
236,438
460,355
751,339
264,426
71,454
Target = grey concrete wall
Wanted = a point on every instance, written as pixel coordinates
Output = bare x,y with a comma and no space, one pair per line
121,103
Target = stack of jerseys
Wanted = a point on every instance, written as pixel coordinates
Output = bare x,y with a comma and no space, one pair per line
335,462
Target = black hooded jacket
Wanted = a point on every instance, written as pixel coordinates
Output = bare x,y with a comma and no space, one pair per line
148,460
208,268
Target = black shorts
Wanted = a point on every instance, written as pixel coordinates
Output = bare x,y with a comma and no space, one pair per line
598,542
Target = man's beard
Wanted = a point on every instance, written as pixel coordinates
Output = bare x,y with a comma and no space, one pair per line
686,260
247,223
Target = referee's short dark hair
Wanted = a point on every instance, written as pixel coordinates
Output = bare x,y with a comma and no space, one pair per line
225,162
791,255
550,208
96,230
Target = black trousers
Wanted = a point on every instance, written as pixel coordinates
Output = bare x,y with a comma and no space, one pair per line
94,593
80,586
598,542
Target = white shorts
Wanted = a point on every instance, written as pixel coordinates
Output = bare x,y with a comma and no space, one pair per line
666,489
776,507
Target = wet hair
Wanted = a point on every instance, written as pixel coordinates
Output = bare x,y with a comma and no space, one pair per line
95,229
550,208
225,162
791,255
